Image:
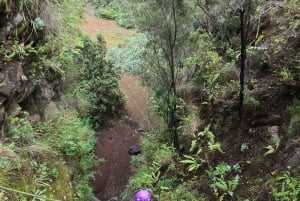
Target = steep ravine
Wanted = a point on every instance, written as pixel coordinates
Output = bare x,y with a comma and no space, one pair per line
113,142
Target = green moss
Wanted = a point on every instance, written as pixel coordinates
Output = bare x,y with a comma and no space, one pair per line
21,181
61,188
31,178
21,28
5,6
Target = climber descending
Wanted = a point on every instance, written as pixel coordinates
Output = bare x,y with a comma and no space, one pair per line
143,195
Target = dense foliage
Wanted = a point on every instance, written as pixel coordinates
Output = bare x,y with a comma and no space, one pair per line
220,157
98,83
188,52
48,139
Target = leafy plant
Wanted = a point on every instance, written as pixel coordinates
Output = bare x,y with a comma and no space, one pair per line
272,148
212,145
251,101
286,188
199,149
193,162
20,129
244,147
19,50
98,80
286,74
223,183
130,57
184,191
116,10
76,140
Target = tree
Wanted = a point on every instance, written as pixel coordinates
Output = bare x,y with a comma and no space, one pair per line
163,21
245,13
231,15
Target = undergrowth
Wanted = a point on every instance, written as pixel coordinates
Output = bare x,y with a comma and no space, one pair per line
53,159
117,10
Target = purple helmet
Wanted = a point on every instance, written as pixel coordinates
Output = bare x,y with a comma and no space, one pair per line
143,195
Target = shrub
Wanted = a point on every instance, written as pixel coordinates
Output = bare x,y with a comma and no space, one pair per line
20,129
76,140
98,81
285,187
223,183
129,58
115,10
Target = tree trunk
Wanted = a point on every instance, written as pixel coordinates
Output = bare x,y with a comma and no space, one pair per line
243,59
173,77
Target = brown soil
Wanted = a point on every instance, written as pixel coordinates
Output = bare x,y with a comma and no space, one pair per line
113,142
137,101
109,29
112,145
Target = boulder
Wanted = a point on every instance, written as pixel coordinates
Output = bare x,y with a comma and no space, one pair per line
273,132
134,150
2,115
293,162
10,25
114,199
2,99
34,119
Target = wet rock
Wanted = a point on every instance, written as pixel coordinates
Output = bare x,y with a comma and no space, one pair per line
293,163
2,77
141,130
2,114
13,23
46,90
114,199
2,99
34,119
50,110
134,150
10,79
273,131
14,108
24,91
228,75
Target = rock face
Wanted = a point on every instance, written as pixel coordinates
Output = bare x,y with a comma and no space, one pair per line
294,162
15,87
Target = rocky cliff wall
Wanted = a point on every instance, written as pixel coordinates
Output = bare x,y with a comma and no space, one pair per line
21,34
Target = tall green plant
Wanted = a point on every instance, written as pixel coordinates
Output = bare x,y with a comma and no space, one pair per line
222,182
165,40
98,80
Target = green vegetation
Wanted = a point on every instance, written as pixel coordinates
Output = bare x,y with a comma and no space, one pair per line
128,58
294,124
205,61
216,150
244,147
199,150
285,187
47,153
115,10
53,158
221,184
98,83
